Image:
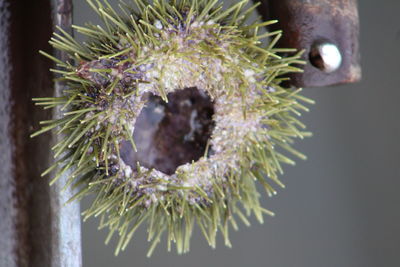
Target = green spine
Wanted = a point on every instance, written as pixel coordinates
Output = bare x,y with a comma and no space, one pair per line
125,58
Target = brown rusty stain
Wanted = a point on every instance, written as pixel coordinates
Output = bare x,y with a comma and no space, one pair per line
30,29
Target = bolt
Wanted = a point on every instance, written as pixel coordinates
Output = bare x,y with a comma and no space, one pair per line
325,56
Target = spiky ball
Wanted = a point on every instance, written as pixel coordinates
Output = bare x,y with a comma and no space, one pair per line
173,111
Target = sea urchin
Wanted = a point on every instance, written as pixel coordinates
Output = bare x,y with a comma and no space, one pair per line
173,111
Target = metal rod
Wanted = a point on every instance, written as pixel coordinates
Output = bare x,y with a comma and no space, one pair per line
25,27
66,229
36,228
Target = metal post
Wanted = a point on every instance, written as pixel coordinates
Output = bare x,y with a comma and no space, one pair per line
66,231
36,228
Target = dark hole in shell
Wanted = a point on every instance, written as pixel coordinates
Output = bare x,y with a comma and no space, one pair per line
168,135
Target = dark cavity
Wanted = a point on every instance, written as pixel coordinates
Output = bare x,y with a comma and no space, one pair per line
168,135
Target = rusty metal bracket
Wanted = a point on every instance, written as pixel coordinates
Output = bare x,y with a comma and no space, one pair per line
36,228
25,27
328,32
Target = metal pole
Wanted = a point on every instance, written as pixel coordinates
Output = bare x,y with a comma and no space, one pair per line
66,231
36,228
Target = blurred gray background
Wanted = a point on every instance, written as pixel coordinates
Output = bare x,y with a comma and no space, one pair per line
341,206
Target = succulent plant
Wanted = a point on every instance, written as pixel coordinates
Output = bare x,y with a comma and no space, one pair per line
174,111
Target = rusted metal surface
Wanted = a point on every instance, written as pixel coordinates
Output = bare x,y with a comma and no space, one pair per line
36,229
24,196
308,23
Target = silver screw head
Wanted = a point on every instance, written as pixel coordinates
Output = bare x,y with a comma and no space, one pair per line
325,56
